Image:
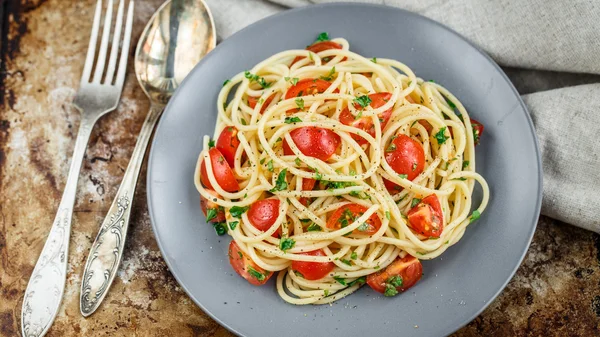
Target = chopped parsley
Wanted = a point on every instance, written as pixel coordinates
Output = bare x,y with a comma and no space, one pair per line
415,202
387,215
363,227
414,167
220,228
348,262
326,292
391,148
461,179
305,220
475,135
395,280
299,274
363,101
329,76
280,184
318,176
332,185
270,165
440,136
237,211
474,216
323,37
314,228
294,80
233,224
225,83
374,60
256,274
211,213
211,143
465,164
243,121
390,290
286,244
260,80
297,161
361,280
340,280
299,104
290,120
354,256
450,103
262,161
403,176
360,195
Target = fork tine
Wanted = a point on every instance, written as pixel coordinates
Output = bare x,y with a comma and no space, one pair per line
104,44
125,48
89,59
115,45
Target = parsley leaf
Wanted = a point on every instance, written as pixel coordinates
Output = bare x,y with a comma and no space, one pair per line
262,161
286,244
363,227
243,121
387,215
233,224
211,213
450,103
340,280
403,176
363,101
294,80
297,161
256,274
440,136
395,280
260,80
354,256
290,120
211,143
361,280
280,184
299,104
225,83
237,211
270,165
220,229
465,164
348,262
390,290
329,76
374,60
461,179
415,202
323,37
474,216
326,292
391,148
314,228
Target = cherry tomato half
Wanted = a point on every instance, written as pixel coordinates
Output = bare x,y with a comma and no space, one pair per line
405,156
221,170
245,267
366,123
426,217
263,213
397,277
307,185
313,270
206,205
346,215
319,47
228,143
477,130
313,142
307,86
252,101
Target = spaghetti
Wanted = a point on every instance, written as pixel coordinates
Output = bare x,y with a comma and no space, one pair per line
337,170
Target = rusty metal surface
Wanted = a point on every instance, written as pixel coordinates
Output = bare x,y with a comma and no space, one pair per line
556,292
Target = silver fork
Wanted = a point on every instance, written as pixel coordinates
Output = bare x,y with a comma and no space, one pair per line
95,98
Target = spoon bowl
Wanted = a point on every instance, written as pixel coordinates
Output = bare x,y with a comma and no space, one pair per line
177,36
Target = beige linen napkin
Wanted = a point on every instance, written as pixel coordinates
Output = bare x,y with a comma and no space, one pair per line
556,35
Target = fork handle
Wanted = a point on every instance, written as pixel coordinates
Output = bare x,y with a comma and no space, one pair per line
106,252
47,283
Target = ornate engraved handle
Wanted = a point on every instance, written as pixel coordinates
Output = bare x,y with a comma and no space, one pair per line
47,283
107,250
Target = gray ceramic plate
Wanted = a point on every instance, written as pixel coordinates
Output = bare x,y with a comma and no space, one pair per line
456,287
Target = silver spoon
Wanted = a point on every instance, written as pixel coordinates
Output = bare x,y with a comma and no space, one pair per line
177,36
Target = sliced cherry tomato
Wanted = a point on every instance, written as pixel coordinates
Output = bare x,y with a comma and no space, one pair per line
307,86
221,170
366,123
426,217
346,215
477,130
319,47
397,277
307,185
228,143
217,213
245,267
313,142
263,213
313,270
252,101
405,156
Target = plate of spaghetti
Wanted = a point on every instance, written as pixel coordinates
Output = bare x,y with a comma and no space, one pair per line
339,181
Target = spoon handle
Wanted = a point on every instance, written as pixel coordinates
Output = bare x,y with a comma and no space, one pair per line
107,249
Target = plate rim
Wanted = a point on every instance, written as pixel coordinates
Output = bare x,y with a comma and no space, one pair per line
538,205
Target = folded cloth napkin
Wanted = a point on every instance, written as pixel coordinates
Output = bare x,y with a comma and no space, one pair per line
531,34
